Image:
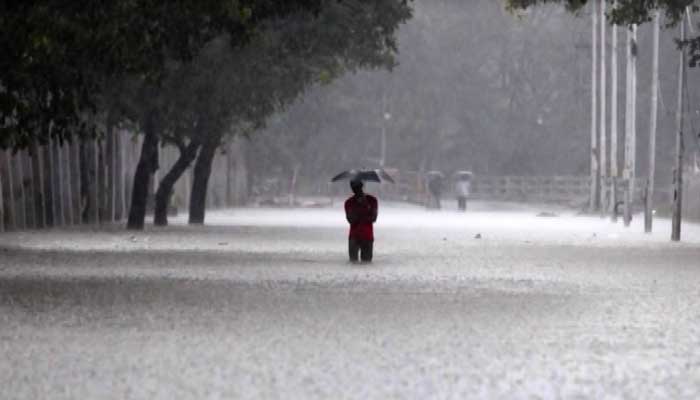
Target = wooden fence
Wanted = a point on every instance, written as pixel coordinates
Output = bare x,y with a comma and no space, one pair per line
66,184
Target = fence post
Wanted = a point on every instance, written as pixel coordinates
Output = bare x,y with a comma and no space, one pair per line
6,185
43,185
68,190
118,176
76,197
2,203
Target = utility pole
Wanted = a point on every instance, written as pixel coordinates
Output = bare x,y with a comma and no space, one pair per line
613,123
649,192
678,171
630,122
595,175
603,171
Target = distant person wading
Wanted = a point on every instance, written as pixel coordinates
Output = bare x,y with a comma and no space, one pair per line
361,212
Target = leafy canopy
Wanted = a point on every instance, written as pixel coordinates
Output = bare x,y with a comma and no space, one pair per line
59,56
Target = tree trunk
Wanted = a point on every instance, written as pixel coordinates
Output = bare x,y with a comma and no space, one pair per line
202,172
148,164
165,188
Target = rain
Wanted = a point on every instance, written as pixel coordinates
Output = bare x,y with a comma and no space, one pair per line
322,199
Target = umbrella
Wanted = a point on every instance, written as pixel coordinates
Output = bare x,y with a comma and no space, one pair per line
366,175
434,174
463,174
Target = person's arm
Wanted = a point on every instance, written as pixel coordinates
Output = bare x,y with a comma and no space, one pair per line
350,213
373,211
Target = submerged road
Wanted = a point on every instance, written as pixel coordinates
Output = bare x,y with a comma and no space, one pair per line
262,304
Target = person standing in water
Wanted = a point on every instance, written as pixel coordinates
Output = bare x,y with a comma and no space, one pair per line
361,212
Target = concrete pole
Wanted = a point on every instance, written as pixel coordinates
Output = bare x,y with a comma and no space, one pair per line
632,156
613,122
649,193
630,124
603,171
595,175
680,149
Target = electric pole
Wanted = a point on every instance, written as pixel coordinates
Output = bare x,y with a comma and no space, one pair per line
613,123
603,171
630,122
595,175
649,193
678,171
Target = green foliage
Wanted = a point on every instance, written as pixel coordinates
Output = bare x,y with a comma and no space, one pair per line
235,90
626,12
480,90
633,12
60,56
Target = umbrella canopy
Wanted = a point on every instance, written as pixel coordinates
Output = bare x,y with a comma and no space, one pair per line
463,174
365,175
435,173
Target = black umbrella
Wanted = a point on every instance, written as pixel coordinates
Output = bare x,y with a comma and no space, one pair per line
365,175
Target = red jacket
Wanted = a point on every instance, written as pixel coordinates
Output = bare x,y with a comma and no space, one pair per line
361,213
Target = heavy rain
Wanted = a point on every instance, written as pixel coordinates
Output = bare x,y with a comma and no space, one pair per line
356,199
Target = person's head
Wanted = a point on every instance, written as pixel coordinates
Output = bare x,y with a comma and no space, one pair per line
356,186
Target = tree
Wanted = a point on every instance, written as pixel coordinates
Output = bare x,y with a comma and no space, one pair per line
59,55
236,90
480,90
626,12
238,23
